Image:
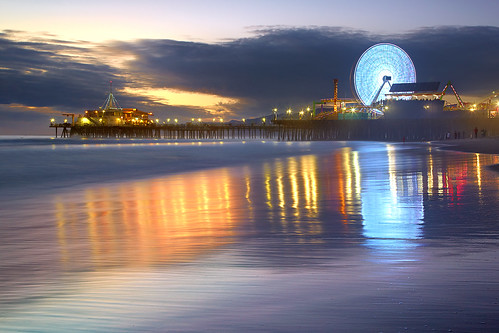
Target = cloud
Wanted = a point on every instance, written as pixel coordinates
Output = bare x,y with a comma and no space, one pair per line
18,119
277,67
285,67
210,102
45,74
467,56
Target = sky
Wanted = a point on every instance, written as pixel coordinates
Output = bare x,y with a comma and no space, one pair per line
229,59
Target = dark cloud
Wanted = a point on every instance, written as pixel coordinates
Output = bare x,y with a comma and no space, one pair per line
18,120
296,66
275,68
40,74
467,56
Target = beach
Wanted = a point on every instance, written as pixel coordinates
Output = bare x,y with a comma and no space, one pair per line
489,145
161,236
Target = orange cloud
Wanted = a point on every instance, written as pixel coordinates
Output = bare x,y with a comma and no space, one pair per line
212,103
39,109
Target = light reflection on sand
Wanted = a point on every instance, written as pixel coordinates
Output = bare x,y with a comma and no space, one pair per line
214,240
142,223
179,217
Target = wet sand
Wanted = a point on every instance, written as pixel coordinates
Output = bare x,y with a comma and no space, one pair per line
333,237
479,146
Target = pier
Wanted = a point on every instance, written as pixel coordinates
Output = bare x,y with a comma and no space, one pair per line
172,132
297,130
386,129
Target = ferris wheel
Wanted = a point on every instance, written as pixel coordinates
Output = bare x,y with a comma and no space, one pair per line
377,68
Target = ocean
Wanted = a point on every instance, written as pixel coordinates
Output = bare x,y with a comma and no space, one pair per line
246,236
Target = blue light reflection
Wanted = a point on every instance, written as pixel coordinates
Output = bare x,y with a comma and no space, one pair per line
392,208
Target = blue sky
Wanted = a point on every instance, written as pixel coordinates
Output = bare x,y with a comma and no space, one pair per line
218,20
225,58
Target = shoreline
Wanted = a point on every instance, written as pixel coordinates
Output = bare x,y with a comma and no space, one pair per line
488,145
480,145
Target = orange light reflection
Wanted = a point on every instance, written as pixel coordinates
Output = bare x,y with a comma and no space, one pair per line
179,217
146,222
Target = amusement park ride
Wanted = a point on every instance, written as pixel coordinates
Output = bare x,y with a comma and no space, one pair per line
385,73
485,104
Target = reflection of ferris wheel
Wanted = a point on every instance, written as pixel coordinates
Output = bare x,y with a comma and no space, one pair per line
378,67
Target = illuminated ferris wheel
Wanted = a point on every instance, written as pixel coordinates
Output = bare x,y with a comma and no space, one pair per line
377,68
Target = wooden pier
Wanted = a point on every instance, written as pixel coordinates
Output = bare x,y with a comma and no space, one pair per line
298,130
172,132
386,129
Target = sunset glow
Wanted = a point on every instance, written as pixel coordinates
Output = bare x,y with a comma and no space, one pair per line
38,109
181,98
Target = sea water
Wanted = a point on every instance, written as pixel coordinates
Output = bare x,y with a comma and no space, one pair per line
210,236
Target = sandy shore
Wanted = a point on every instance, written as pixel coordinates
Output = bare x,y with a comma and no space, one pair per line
480,145
249,237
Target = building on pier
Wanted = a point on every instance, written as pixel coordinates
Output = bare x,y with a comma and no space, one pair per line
417,100
111,114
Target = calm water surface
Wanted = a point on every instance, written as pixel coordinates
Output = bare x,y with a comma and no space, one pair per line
254,236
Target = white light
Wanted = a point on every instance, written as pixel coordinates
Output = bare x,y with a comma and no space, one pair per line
376,62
